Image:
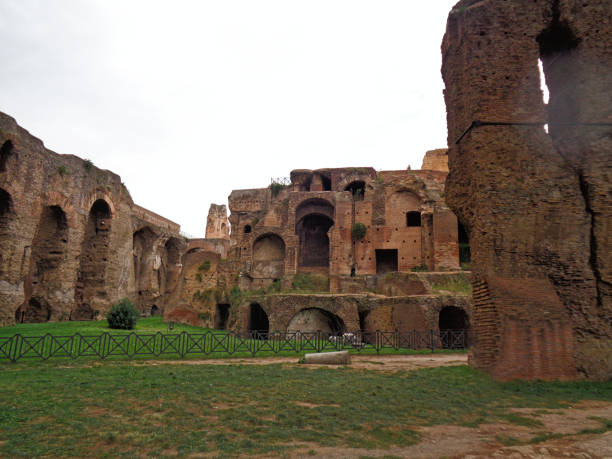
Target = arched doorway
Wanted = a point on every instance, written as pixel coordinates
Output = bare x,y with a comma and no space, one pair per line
311,320
259,325
314,218
453,323
91,281
221,316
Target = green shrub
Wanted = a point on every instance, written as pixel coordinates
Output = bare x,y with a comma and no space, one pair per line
123,315
198,277
358,231
88,164
417,269
62,170
204,266
276,188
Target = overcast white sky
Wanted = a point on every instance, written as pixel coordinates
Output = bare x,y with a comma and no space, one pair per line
187,100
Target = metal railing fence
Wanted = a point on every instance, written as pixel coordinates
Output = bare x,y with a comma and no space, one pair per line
217,343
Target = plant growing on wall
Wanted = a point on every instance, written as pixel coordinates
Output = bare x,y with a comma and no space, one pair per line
62,170
358,231
204,266
88,164
276,188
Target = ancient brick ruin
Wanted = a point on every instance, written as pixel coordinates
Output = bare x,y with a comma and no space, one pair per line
537,204
72,242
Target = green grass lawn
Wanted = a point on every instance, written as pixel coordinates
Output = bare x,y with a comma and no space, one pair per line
99,409
92,327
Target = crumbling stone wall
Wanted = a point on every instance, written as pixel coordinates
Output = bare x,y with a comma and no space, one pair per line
68,232
537,205
217,226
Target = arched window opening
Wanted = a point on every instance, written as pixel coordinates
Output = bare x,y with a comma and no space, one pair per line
6,203
247,229
311,320
453,324
357,190
268,257
222,316
413,218
5,152
259,326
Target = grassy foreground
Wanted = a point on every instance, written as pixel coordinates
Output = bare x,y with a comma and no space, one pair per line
128,409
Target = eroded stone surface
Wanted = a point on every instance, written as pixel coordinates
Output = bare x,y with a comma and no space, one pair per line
537,206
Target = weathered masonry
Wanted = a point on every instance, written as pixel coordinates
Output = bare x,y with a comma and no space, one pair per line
72,242
537,204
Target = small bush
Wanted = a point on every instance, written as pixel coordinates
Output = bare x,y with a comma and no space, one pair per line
123,315
358,231
198,277
276,188
88,164
204,266
62,170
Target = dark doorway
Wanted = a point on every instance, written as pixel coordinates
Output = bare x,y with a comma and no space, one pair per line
258,321
453,323
5,203
221,316
37,310
386,261
155,310
413,218
314,241
326,182
247,229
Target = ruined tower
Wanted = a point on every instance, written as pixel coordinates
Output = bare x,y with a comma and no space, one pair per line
216,223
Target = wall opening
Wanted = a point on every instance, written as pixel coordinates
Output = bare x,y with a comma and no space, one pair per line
452,319
314,240
247,229
5,151
155,311
258,321
142,251
36,311
91,281
465,256
357,190
413,218
363,315
6,203
311,320
386,261
326,182
222,316
170,268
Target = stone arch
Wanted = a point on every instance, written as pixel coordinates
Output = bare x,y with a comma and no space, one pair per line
35,311
311,320
100,194
90,291
268,257
155,311
5,152
258,320
314,218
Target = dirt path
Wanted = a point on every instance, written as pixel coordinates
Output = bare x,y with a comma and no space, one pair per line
486,440
365,362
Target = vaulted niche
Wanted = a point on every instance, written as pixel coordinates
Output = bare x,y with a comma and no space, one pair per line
5,152
170,269
268,257
258,321
357,189
91,280
311,320
144,257
314,218
44,278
